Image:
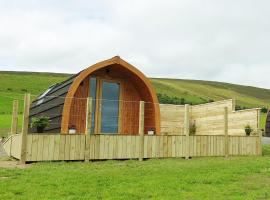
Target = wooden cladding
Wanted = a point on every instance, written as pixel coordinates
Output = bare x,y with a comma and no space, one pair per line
132,91
136,87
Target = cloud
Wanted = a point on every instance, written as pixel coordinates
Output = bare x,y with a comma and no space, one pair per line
211,40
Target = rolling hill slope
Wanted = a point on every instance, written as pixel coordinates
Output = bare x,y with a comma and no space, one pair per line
196,91
15,84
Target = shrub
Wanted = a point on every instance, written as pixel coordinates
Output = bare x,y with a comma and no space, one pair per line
40,123
264,110
24,90
238,107
248,129
192,128
163,98
9,89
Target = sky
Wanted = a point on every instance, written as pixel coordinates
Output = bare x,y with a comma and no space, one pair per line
227,41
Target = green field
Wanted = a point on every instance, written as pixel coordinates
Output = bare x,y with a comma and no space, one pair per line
235,178
15,84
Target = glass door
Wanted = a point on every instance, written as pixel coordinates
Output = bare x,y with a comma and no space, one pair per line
110,92
93,92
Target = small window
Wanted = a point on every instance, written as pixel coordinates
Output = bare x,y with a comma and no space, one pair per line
41,97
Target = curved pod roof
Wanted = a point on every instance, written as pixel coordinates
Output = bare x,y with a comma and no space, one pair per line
88,71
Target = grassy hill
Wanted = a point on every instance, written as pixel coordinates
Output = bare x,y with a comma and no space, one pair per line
196,91
15,84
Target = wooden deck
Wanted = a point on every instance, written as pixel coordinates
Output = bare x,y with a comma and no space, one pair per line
102,147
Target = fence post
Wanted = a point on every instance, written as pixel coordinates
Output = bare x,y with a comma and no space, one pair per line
141,130
259,132
14,122
25,125
226,133
88,119
187,130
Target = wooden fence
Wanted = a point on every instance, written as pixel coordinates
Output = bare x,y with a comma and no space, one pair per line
41,147
12,146
101,147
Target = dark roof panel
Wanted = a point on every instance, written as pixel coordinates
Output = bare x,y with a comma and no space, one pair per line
50,104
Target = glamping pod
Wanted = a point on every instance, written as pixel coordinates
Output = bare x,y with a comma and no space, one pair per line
115,88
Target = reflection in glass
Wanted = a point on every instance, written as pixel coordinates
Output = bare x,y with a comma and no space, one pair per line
110,107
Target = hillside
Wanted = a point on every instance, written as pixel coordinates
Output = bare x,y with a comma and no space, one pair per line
15,84
197,91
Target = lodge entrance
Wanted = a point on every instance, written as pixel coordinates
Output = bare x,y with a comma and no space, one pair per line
105,96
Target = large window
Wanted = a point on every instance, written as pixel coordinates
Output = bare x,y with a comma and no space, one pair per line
110,107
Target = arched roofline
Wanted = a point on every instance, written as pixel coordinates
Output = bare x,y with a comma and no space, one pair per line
115,60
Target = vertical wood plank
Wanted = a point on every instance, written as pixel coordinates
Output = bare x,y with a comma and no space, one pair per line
115,147
129,146
14,122
56,147
25,127
45,152
154,148
137,146
67,147
259,146
91,141
51,147
124,146
72,147
29,148
111,141
187,131
34,147
173,146
88,116
62,147
226,141
77,147
87,147
83,143
107,146
119,146
198,145
145,146
97,144
40,148
141,130
149,146
101,146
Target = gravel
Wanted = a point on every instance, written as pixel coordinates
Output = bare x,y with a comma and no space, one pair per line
265,140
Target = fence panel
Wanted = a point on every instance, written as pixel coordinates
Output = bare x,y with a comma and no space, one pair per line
244,145
16,143
100,147
55,147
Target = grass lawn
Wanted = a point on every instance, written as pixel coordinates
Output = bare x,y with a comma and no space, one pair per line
5,124
198,178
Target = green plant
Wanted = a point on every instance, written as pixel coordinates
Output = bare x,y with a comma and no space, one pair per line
248,129
40,123
192,128
264,110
